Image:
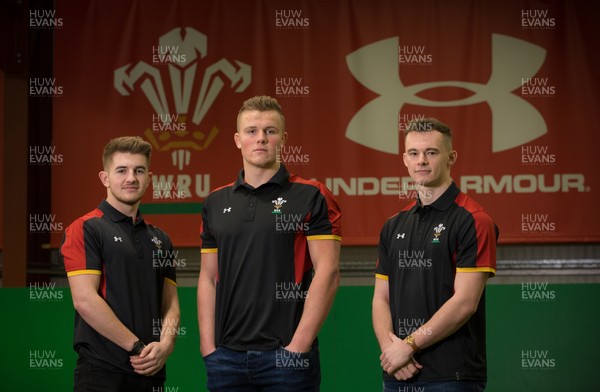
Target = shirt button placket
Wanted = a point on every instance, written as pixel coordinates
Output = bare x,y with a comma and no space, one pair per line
251,207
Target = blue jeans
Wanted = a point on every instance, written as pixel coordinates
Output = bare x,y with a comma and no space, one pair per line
272,370
434,386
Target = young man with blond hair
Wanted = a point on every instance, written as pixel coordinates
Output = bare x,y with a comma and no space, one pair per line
259,305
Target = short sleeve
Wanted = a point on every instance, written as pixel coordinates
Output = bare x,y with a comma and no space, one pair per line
477,244
80,249
383,262
325,220
209,243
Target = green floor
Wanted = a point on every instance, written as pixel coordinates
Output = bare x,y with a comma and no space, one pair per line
540,338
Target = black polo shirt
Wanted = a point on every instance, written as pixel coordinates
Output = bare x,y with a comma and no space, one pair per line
131,259
260,235
420,250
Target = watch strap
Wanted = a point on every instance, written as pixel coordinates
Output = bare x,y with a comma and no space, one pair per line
137,348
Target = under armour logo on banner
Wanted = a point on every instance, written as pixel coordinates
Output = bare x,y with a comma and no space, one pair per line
118,239
514,120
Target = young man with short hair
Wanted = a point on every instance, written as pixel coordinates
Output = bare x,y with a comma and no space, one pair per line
435,257
122,296
263,236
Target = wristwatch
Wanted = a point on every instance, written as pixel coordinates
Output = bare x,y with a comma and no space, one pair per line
137,348
410,340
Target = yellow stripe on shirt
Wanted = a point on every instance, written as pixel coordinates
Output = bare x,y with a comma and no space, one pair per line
324,237
477,269
84,272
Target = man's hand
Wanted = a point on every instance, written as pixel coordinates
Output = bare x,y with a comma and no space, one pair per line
297,349
209,350
396,359
152,358
408,371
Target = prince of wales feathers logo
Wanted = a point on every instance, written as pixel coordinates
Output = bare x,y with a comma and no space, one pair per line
181,50
437,231
278,204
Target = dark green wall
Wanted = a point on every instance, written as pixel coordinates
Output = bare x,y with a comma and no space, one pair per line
556,324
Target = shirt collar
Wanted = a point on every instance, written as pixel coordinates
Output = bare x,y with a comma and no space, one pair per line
443,202
115,215
280,178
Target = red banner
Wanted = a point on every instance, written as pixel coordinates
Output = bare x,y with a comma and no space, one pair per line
516,81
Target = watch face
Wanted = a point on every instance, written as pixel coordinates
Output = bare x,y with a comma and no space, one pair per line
137,347
410,340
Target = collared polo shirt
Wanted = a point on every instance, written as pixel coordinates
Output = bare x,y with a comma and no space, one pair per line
420,251
264,267
133,261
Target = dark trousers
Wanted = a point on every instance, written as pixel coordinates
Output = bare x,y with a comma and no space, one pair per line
434,386
91,378
263,371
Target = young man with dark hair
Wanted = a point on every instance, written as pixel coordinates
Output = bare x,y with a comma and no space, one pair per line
122,296
435,257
